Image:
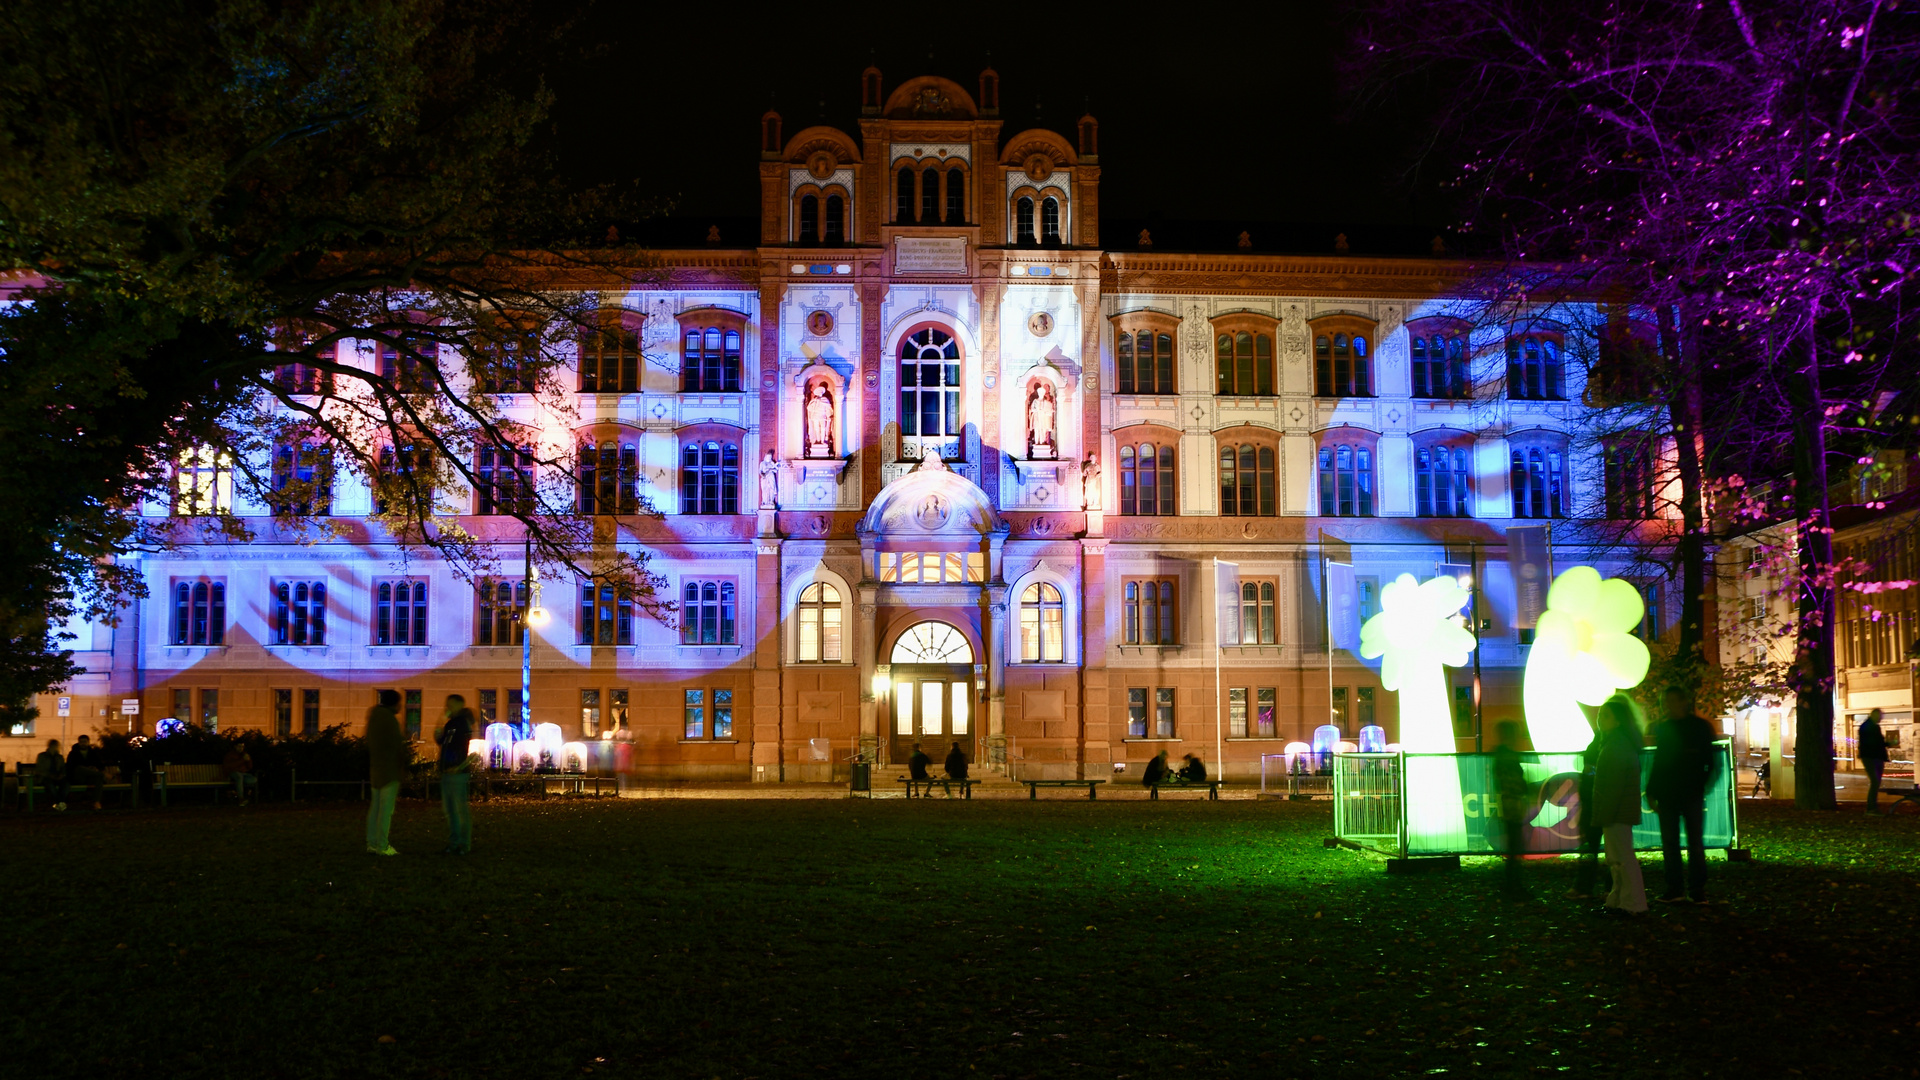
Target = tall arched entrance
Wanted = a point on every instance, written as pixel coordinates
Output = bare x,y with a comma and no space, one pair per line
932,696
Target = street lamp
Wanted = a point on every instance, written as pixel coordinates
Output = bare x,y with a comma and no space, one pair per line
531,617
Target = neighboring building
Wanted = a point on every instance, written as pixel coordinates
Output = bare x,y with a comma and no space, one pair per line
1008,473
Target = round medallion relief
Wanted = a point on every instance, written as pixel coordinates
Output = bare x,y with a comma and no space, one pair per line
1040,324
820,165
1039,167
820,323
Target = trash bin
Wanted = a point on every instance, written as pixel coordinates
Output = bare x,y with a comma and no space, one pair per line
862,776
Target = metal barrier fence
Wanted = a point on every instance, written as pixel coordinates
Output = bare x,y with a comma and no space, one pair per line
1367,804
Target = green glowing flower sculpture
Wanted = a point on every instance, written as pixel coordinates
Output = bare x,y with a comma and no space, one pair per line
1416,635
1583,653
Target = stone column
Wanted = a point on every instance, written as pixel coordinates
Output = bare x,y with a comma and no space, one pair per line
866,647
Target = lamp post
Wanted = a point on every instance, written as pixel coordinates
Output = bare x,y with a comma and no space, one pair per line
533,615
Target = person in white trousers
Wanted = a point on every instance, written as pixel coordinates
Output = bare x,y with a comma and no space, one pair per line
1616,803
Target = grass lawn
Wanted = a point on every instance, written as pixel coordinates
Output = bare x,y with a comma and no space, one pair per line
770,938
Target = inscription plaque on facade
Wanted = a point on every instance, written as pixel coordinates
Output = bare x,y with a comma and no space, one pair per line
930,255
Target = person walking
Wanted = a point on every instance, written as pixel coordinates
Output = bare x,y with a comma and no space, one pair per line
1872,750
1510,784
1684,764
1616,803
386,761
456,776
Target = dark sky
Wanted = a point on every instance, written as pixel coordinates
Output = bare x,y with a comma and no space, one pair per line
1212,115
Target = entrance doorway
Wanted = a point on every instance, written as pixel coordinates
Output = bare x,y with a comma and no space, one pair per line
932,693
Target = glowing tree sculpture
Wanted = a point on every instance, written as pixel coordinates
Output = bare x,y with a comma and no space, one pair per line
1416,635
1583,652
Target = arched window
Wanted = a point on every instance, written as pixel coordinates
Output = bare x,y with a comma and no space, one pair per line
404,474
1042,624
300,613
505,480
1247,480
203,481
1144,362
1023,221
1341,366
1050,220
1535,371
499,621
200,613
903,196
1244,363
1539,481
609,477
1147,612
606,617
835,231
930,394
1346,478
1440,364
1441,480
956,196
932,643
1629,477
711,362
929,195
820,641
707,613
709,478
400,613
1147,480
610,357
1257,623
809,219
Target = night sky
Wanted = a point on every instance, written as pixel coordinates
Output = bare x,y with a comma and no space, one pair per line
1210,121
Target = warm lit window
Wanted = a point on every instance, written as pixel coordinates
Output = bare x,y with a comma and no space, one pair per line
1147,612
1244,363
1147,479
1539,481
501,604
504,480
1247,480
929,394
711,362
302,479
820,616
299,613
1629,477
932,567
1535,371
696,716
609,477
709,478
1441,480
1143,362
1346,478
1341,366
606,617
203,482
199,612
1258,625
610,357
400,613
1042,623
1150,712
707,613
1440,363
1258,725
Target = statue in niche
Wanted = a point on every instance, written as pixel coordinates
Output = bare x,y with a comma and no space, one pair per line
769,482
819,416
1041,411
1090,481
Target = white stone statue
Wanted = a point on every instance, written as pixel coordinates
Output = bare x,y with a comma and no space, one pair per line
769,482
1040,416
1090,481
819,420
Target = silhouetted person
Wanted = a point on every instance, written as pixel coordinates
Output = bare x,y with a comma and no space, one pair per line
386,762
50,774
1192,769
1616,803
1872,749
956,763
1156,770
1589,857
456,780
1510,786
83,767
1683,766
917,764
238,765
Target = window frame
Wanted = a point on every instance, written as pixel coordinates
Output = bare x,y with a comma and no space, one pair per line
1254,374
694,604
202,482
710,483
1131,473
1251,448
1361,444
497,620
304,460
709,705
1150,611
1129,327
605,617
1539,350
1259,612
593,492
1556,500
1458,446
820,598
950,404
388,602
627,365
727,365
504,488
1041,632
299,612
1363,340
1440,346
1629,484
199,612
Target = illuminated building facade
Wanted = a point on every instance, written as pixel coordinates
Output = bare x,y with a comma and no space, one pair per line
935,466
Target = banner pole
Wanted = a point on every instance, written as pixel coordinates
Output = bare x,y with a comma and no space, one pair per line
1219,757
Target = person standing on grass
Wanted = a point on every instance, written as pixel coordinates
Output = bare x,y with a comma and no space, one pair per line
456,777
1510,785
1616,803
386,762
1872,749
50,774
1684,763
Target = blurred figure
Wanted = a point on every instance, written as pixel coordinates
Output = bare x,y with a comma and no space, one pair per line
1872,749
386,761
83,767
1156,770
1589,858
1616,803
50,774
456,777
956,763
1684,764
238,765
918,764
1193,771
1510,784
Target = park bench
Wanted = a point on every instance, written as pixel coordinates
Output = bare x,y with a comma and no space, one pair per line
1212,786
946,784
295,784
167,776
1034,786
29,784
1909,794
576,783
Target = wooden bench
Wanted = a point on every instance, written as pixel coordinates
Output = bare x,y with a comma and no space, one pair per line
1034,786
1212,786
1906,795
576,783
29,784
946,783
167,775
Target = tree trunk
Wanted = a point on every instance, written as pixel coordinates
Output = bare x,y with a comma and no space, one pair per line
1813,658
1684,414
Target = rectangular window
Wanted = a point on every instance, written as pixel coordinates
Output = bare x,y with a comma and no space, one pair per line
606,618
610,358
1265,723
1363,701
504,480
590,713
1340,716
711,361
723,714
1237,712
707,613
489,708
309,712
300,613
302,479
1148,612
1136,712
1258,625
516,706
183,705
617,711
400,613
1463,712
412,708
500,604
1652,624
1163,712
282,713
210,710
199,613
696,715
203,482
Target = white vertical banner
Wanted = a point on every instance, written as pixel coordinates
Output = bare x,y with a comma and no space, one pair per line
1343,608
1226,601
